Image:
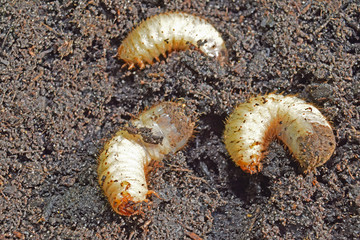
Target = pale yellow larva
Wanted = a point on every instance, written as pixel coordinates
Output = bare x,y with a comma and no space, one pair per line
299,125
167,32
158,131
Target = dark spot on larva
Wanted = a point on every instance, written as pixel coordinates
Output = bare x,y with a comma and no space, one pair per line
132,129
280,122
244,121
102,180
255,144
256,104
105,163
201,42
149,137
167,41
173,29
116,180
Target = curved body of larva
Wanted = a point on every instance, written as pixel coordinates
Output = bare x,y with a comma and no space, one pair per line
158,131
167,32
301,126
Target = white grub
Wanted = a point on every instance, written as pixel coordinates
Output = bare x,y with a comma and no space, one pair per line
299,125
123,163
167,32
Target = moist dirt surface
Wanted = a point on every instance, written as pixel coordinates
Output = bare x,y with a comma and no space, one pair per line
63,94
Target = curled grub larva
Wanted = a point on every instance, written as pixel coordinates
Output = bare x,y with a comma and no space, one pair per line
158,131
167,32
301,126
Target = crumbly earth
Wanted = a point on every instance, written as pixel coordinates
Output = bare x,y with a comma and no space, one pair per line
63,94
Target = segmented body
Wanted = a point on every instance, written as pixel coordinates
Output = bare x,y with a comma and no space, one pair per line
158,131
167,32
299,125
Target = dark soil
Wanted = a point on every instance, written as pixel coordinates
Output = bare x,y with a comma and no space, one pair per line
62,94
